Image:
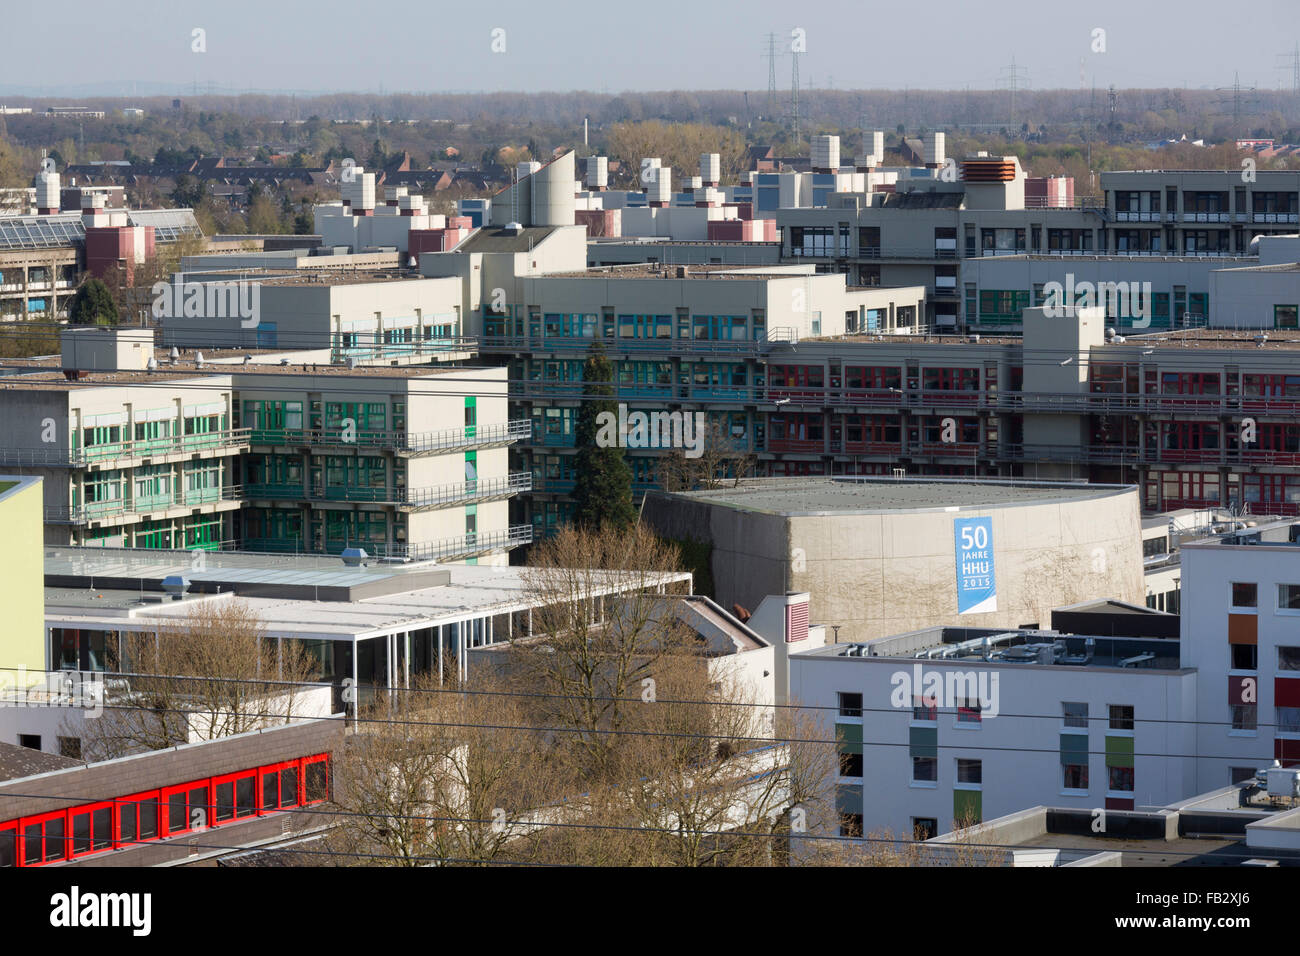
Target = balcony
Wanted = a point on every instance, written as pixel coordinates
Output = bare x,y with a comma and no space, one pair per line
411,443
405,353
123,454
407,499
134,508
468,545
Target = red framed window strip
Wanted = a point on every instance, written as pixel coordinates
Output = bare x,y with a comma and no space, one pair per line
280,786
44,838
9,844
234,796
92,827
137,817
186,807
316,779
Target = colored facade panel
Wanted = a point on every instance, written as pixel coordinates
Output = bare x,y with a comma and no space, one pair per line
1243,629
967,806
1074,750
1119,751
849,737
1242,690
923,741
1286,691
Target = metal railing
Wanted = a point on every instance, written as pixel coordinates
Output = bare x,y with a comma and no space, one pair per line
449,439
447,345
134,506
468,545
230,439
434,496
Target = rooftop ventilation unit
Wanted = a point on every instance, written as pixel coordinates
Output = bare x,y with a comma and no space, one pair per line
513,228
176,354
152,364
176,585
198,359
355,557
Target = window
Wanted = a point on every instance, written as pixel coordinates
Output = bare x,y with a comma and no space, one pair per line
1287,719
924,709
1288,658
968,711
850,764
44,839
924,828
1288,597
1245,657
850,824
1241,774
30,741
1121,716
1075,714
1121,779
236,796
138,818
850,704
92,828
317,780
1076,777
70,747
969,771
1245,594
1245,716
9,845
925,769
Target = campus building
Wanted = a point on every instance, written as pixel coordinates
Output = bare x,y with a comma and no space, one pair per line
952,725
881,556
265,451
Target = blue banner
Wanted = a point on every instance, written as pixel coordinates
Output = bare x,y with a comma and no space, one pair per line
977,591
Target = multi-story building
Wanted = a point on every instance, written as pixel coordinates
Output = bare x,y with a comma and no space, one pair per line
951,724
140,449
1241,631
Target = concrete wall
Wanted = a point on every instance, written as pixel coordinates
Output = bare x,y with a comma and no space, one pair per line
22,577
884,573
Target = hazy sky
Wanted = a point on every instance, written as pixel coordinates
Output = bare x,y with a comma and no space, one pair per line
77,47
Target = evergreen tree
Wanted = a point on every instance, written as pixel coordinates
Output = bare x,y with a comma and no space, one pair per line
93,305
602,491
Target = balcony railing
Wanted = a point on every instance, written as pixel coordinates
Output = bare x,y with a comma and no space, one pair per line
231,439
469,545
434,496
425,348
446,440
137,506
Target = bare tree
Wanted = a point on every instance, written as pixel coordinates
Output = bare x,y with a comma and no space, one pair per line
211,674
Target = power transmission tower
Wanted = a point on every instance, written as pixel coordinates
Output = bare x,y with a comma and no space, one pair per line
771,74
1013,79
1112,123
1293,59
794,97
1241,105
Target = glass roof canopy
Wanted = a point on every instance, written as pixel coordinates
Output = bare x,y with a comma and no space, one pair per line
61,229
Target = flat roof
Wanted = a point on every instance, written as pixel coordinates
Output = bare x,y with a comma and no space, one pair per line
409,603
792,497
648,270
497,239
17,762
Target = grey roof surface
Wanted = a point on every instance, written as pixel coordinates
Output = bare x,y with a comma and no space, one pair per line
16,762
824,496
496,239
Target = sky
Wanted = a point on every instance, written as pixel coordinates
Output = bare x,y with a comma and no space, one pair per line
150,47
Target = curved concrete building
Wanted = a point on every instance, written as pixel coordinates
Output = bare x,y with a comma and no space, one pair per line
544,198
884,556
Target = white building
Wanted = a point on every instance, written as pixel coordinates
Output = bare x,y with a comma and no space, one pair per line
952,724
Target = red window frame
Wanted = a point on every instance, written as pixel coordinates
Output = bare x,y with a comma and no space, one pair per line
63,839
132,802
165,828
96,841
280,769
9,836
232,780
307,764
61,844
